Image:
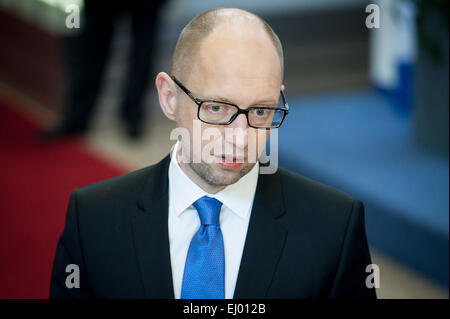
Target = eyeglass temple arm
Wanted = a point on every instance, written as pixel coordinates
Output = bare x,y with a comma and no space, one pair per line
185,90
284,101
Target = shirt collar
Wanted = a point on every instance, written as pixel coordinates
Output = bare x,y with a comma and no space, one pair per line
238,197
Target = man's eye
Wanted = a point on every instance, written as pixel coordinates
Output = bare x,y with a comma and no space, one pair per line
215,108
260,112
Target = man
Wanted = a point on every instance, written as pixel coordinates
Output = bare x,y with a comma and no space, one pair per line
203,223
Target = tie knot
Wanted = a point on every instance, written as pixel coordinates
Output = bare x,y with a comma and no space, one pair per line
208,210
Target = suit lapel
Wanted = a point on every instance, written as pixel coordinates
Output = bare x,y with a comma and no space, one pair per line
151,237
265,240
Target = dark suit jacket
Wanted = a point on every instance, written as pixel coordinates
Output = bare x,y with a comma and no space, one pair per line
305,240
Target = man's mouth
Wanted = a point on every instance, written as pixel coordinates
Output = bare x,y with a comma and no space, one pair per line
229,161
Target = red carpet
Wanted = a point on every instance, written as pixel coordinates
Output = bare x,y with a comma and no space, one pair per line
35,184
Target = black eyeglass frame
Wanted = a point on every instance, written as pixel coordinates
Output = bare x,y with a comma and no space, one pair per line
199,103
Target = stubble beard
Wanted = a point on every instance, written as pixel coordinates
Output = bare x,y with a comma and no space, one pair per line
207,173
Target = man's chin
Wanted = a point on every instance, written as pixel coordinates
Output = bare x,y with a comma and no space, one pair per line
220,175
227,177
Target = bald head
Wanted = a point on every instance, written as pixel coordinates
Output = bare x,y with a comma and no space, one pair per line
238,24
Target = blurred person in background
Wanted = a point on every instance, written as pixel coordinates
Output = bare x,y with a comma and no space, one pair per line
86,57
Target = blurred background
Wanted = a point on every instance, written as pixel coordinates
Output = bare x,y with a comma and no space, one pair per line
368,93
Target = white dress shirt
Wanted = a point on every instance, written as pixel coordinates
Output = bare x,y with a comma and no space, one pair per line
237,200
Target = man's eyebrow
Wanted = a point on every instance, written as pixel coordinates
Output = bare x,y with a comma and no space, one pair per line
269,101
266,102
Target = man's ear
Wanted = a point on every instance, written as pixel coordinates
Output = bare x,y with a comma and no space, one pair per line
166,94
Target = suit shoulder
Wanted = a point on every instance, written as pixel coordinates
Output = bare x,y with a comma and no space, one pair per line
318,210
118,189
297,186
118,183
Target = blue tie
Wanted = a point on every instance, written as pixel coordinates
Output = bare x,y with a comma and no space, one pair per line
204,271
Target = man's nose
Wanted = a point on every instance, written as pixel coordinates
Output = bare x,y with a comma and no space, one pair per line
240,122
240,132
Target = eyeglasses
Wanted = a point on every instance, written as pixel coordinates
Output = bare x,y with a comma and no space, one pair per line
224,113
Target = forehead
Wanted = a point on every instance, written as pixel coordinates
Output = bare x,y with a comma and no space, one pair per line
234,57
